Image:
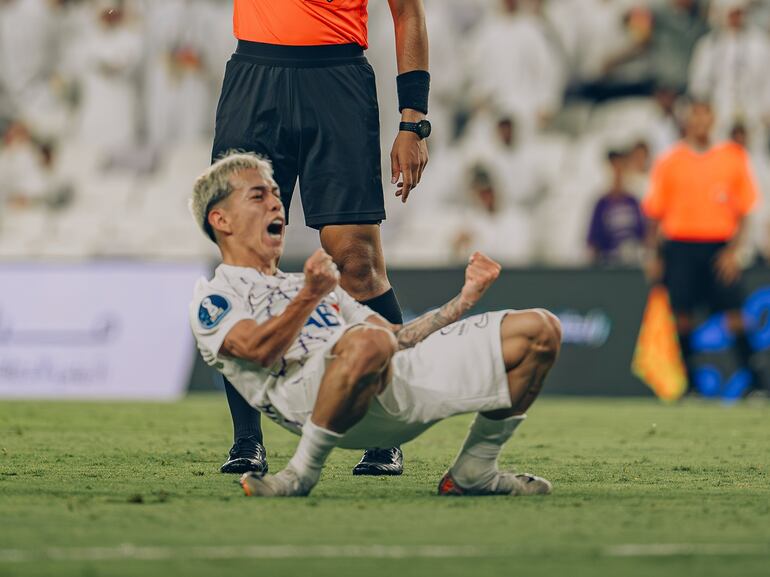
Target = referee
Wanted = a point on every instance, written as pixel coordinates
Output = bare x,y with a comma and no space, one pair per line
698,201
299,91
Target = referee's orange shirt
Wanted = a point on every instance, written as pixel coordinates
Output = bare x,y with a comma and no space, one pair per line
302,22
701,196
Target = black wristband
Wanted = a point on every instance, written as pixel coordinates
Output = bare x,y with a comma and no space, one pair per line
413,89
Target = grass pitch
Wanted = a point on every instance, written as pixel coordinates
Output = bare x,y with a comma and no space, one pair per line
133,489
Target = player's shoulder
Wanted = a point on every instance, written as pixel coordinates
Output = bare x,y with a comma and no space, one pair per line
219,282
674,154
214,298
731,151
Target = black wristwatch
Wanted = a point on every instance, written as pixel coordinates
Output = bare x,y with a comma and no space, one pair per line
421,129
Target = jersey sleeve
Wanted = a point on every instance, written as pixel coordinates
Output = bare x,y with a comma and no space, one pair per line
352,311
213,314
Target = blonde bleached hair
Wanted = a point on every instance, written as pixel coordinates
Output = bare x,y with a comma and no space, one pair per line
214,186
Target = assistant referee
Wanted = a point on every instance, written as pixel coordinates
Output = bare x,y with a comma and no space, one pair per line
299,91
698,200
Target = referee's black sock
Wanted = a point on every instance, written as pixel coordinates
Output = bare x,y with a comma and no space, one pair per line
247,421
386,305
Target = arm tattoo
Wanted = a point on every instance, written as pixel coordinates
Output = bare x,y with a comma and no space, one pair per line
412,333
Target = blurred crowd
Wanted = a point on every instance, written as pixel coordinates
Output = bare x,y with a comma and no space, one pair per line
547,114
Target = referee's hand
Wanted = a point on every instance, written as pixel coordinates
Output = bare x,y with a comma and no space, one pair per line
653,270
407,160
728,266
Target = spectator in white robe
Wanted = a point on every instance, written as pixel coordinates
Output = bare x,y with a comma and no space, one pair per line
610,37
513,64
110,54
73,18
491,225
26,50
24,181
497,141
176,90
729,69
215,28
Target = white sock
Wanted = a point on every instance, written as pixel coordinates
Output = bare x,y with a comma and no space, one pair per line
314,447
476,465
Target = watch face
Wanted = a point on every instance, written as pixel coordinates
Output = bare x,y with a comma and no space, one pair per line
424,128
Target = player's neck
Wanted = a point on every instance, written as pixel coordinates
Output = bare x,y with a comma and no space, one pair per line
249,259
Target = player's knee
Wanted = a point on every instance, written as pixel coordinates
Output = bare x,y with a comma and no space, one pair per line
555,324
369,351
548,332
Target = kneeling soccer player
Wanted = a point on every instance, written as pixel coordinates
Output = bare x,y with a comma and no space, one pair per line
304,352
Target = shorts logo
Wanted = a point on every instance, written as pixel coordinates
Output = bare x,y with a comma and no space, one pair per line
212,310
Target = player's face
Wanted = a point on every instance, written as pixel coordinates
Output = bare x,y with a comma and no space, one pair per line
255,213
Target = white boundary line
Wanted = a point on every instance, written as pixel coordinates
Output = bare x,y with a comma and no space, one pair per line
169,553
686,549
139,553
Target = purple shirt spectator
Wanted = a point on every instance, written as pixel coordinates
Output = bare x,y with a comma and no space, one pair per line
617,229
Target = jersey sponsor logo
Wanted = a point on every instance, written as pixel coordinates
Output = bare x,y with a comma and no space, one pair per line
324,316
212,310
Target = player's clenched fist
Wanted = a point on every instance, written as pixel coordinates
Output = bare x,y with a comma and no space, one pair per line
321,274
480,273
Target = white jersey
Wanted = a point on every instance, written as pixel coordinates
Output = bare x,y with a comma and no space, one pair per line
238,293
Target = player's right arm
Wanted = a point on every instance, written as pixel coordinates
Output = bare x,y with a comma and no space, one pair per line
265,343
480,273
654,207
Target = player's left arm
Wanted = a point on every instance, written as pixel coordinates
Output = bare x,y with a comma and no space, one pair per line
480,273
409,154
728,262
731,259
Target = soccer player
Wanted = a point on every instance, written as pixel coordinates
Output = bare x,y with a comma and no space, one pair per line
299,91
699,197
305,353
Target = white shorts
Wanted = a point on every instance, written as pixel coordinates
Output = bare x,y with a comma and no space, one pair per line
459,369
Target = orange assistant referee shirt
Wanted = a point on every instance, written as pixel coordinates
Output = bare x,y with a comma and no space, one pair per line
301,22
701,196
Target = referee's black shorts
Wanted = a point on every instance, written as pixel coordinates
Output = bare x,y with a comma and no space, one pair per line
312,110
691,279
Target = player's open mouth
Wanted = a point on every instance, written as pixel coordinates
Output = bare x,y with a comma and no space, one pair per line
275,228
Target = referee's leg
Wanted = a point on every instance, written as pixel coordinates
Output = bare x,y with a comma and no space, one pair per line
357,251
340,179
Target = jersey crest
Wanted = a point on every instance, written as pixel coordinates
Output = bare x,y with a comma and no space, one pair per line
212,310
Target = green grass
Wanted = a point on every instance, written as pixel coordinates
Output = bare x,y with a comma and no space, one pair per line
77,475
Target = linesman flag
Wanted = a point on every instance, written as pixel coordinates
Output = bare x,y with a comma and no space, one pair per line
658,357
